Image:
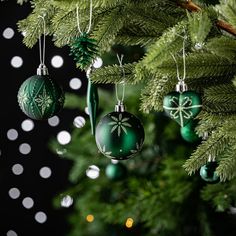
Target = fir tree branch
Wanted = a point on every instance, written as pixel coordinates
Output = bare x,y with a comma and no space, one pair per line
114,74
191,6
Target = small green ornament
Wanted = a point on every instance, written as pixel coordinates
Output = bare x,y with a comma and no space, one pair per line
188,132
208,172
84,49
115,171
40,97
181,105
119,135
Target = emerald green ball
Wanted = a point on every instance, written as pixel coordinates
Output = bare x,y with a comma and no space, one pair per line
115,171
40,97
208,172
119,135
188,132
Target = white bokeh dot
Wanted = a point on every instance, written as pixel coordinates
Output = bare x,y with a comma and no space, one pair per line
40,217
93,172
12,134
63,137
45,172
27,125
54,121
25,148
57,61
98,63
86,110
114,161
66,201
8,33
75,83
16,61
79,122
11,233
17,169
28,202
14,193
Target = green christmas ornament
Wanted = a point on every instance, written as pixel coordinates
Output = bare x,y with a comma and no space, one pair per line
115,171
119,134
208,172
182,105
39,96
188,132
84,49
92,102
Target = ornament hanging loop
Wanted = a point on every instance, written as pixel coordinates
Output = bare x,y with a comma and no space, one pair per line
120,102
42,69
90,18
181,86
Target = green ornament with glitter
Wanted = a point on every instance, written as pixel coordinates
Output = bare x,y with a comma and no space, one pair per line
84,49
40,97
119,134
182,105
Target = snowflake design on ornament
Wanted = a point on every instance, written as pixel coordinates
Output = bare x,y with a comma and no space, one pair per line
119,124
43,101
138,147
103,151
182,109
22,98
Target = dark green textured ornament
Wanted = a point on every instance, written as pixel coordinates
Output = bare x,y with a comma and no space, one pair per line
208,172
116,171
188,132
119,134
40,97
182,106
84,49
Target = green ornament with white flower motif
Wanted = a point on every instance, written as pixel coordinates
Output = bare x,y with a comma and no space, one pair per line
40,97
119,135
182,106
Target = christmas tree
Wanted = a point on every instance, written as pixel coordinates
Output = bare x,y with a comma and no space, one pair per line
185,43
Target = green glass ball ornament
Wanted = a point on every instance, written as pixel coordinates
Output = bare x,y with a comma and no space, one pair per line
115,171
208,172
188,132
119,134
40,97
182,105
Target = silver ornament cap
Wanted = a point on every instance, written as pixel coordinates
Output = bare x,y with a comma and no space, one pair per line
120,107
42,70
181,87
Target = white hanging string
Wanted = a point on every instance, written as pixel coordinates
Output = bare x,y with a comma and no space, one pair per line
42,48
120,60
184,62
90,18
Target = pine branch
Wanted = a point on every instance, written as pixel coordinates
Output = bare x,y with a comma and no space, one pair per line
222,46
114,74
108,28
191,6
32,26
199,26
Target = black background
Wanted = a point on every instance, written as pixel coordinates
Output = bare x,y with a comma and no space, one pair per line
14,216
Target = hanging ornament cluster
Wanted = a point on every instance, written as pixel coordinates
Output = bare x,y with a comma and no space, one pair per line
119,134
116,171
40,97
84,49
182,105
